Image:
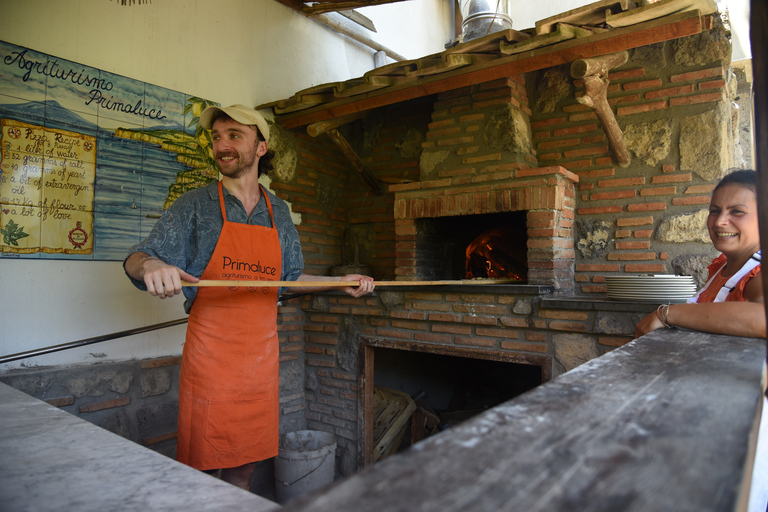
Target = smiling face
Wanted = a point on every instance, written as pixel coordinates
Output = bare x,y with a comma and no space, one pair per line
236,147
732,221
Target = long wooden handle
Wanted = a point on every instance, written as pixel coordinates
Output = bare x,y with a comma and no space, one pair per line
341,284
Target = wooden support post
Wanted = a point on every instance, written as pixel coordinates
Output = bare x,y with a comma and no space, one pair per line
593,72
358,164
759,40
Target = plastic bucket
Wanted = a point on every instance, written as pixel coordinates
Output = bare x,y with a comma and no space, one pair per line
305,462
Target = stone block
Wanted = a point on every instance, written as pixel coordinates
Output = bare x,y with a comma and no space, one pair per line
572,350
705,144
553,86
685,228
509,129
594,236
650,142
155,381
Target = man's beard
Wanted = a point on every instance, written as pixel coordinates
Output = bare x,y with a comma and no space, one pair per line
243,163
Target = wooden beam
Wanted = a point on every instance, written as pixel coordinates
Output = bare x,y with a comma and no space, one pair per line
358,18
664,29
759,40
357,163
322,6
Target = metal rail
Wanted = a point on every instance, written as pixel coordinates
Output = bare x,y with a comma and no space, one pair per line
89,341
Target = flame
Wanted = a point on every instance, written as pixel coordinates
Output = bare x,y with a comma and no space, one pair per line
491,256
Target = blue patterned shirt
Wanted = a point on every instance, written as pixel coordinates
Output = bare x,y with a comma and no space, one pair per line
186,234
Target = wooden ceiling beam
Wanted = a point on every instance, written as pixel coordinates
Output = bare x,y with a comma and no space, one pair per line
663,29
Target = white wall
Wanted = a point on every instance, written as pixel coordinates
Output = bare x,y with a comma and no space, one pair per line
230,51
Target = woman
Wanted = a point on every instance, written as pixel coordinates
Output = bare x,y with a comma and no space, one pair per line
732,300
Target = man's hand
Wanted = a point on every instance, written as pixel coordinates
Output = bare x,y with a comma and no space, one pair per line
366,285
162,280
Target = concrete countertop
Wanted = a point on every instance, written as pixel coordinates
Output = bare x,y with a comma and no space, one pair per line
51,460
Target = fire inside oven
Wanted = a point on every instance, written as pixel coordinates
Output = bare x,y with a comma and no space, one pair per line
487,246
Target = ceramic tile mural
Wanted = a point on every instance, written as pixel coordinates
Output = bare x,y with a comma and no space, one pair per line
89,159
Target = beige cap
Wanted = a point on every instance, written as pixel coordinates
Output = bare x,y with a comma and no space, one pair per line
240,113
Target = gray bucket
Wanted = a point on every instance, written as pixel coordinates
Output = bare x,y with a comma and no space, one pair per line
305,462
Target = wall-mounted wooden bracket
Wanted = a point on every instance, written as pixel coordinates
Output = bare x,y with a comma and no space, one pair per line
355,160
594,72
330,127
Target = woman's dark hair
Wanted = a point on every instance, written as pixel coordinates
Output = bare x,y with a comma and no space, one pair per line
265,161
747,178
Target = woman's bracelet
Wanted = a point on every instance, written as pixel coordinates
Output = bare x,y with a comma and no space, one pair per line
661,313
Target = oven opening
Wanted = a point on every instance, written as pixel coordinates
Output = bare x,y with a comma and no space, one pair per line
485,246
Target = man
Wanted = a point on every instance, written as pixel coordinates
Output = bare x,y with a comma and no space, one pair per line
231,229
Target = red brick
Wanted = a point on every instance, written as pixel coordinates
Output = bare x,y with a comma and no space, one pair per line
594,288
563,314
637,109
658,191
598,173
671,178
699,189
597,267
621,182
634,221
572,130
643,233
524,347
619,194
714,84
637,267
108,404
627,73
698,98
633,245
475,342
497,333
548,122
670,91
578,107
61,402
586,152
627,98
452,329
631,256
613,341
599,209
558,143
698,75
680,201
644,84
567,326
646,207
582,117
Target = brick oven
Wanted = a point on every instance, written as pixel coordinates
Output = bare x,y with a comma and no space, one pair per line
541,197
500,143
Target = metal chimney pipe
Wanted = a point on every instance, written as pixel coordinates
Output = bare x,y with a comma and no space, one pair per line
481,17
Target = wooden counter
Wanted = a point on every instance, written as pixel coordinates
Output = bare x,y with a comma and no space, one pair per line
663,423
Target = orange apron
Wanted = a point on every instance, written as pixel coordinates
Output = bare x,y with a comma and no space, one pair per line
228,388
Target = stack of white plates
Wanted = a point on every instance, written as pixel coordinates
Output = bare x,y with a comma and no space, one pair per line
650,288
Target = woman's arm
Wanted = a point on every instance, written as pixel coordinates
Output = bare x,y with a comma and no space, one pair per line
733,318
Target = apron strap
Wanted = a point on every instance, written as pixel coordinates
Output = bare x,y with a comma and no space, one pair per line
263,194
730,285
